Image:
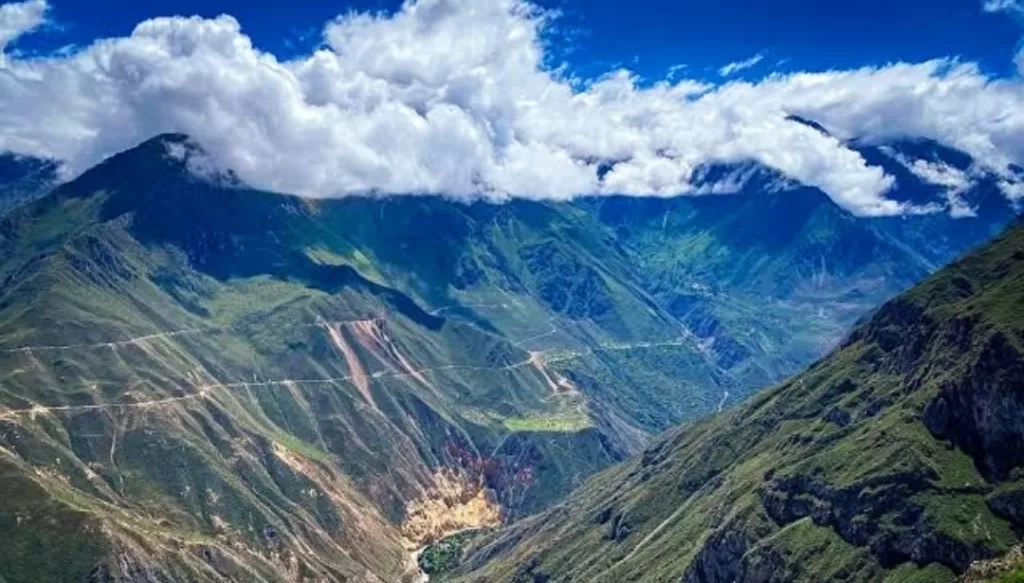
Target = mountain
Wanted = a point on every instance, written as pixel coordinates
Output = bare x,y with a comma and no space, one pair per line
24,178
197,384
200,381
964,190
898,457
776,273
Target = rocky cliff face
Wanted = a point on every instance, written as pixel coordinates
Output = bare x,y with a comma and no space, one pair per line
1008,568
981,413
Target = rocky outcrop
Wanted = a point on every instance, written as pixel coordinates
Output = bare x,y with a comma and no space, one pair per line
994,569
877,513
1010,505
726,557
617,527
981,412
720,560
695,311
900,333
457,501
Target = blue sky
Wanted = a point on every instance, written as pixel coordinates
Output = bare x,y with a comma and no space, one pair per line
647,36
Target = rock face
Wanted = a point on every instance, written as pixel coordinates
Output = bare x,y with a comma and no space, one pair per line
856,513
982,412
897,457
720,559
996,569
457,500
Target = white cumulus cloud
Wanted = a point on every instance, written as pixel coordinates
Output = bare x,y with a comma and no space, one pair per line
455,97
19,18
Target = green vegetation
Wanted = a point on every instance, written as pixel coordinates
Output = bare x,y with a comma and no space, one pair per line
445,555
202,383
302,448
1014,577
241,298
558,423
897,458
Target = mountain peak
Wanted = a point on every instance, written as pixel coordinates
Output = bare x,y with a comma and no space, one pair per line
166,159
172,138
177,150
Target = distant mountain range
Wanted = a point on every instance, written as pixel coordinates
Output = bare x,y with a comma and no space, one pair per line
200,381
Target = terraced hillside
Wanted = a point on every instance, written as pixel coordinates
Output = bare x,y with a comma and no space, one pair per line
896,458
201,382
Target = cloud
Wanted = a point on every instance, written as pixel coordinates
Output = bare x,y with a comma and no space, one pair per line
733,68
1011,6
455,97
20,18
956,182
675,70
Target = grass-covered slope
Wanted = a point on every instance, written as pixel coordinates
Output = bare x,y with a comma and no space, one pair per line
898,458
199,381
197,384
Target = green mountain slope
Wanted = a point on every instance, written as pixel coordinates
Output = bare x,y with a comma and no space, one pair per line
897,458
196,385
199,381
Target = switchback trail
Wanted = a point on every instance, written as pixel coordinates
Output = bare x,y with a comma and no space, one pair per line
536,359
146,338
113,344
